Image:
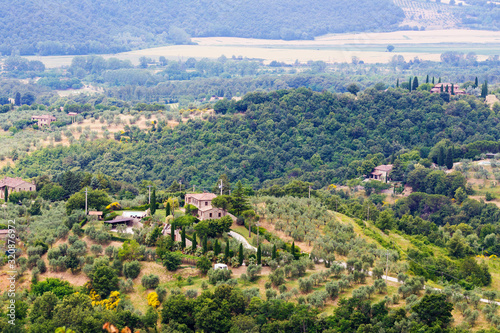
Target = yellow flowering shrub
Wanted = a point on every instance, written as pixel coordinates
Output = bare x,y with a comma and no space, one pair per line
114,206
109,303
153,300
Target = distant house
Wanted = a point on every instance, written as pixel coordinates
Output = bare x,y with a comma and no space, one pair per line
491,155
45,119
4,233
203,201
456,88
95,213
381,173
15,185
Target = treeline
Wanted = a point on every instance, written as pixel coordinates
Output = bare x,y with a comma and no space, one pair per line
105,27
287,133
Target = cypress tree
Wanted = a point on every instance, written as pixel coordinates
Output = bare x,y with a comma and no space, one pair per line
273,255
183,237
441,88
152,205
259,256
293,249
440,160
415,83
427,79
447,88
216,247
484,89
205,244
449,159
17,99
439,80
226,252
172,232
433,80
476,83
6,193
409,85
397,83
452,89
194,244
167,209
240,255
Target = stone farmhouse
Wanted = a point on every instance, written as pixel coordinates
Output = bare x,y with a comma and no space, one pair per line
15,185
203,201
381,173
45,119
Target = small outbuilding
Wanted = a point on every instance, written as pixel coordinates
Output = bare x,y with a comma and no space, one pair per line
220,266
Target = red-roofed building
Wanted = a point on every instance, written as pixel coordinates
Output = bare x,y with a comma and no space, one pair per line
15,185
45,119
456,88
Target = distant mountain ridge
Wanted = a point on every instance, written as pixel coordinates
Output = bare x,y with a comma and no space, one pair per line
53,27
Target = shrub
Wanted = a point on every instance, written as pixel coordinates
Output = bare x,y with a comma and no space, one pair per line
203,264
171,260
305,285
42,267
126,286
162,293
218,275
192,293
253,272
132,269
150,281
96,249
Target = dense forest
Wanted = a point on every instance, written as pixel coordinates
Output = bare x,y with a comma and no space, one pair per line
66,27
282,134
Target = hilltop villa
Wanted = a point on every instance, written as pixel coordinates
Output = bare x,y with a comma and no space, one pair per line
45,119
15,185
203,201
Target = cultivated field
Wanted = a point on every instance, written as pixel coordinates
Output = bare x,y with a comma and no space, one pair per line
369,47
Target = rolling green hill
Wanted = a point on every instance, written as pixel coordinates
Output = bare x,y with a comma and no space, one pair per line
68,27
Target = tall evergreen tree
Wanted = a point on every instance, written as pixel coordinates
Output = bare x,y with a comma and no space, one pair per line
273,255
259,256
397,83
226,252
433,80
183,237
194,244
476,83
415,83
447,88
167,209
439,80
239,200
452,89
427,79
409,85
441,88
152,205
449,158
172,232
292,250
440,160
6,193
484,89
205,244
17,99
240,254
216,247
